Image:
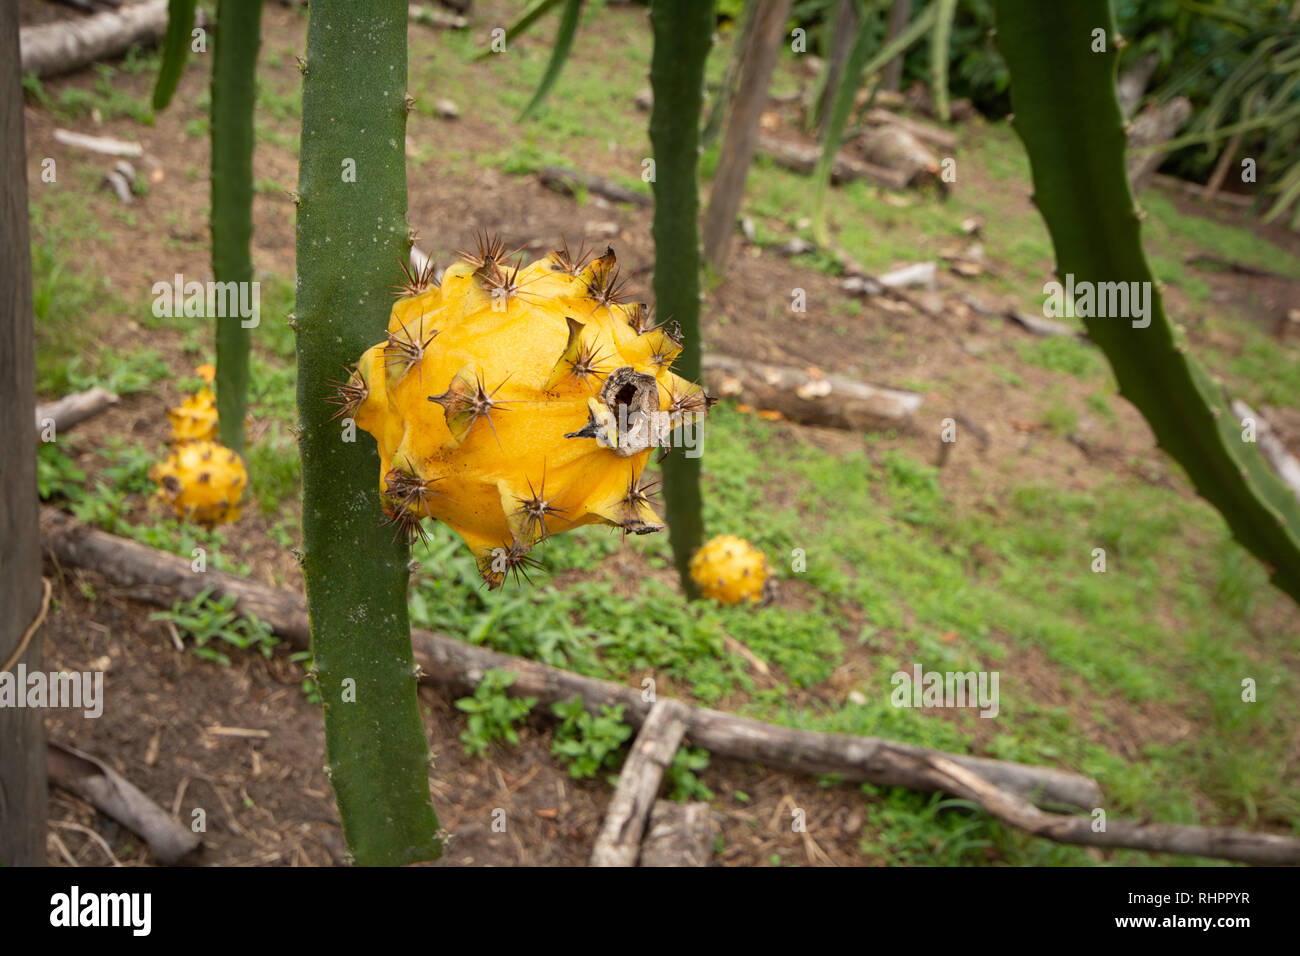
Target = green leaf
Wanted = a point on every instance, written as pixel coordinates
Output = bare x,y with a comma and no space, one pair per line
940,39
530,16
559,54
175,50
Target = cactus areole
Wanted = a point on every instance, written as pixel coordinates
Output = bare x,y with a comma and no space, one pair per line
513,402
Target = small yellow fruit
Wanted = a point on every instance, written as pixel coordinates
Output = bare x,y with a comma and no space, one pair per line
194,419
203,481
730,570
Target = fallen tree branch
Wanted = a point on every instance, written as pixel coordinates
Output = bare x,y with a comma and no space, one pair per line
830,400
619,840
112,794
803,159
894,147
441,19
1027,321
1220,843
66,45
73,409
678,834
104,145
1232,265
160,578
1042,326
569,181
926,132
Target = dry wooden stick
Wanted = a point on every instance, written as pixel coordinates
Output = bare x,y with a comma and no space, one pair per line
111,793
619,841
830,400
569,181
678,834
1219,842
73,409
801,158
103,145
66,45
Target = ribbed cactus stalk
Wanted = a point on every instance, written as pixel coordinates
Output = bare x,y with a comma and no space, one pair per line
234,90
1063,97
351,229
515,402
683,34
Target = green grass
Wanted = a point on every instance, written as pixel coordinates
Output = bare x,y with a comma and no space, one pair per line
274,472
1063,354
106,98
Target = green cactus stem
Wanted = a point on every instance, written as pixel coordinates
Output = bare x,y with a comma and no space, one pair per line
352,233
234,90
683,34
175,50
1066,112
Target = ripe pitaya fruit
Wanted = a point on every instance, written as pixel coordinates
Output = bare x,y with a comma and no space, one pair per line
512,403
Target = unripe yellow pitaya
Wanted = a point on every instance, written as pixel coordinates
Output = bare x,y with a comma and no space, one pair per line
730,570
516,402
195,419
203,481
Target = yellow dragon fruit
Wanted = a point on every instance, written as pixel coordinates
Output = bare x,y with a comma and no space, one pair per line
195,418
514,402
203,481
731,570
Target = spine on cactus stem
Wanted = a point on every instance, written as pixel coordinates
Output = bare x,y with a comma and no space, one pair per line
352,234
234,90
1062,58
683,33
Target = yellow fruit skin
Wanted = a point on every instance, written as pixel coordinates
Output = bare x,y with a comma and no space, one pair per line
203,481
475,398
729,570
194,419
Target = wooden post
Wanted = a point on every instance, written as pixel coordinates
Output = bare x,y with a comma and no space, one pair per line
741,138
22,729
